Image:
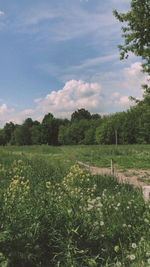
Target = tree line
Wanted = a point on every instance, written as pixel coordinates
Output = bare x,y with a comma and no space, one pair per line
131,126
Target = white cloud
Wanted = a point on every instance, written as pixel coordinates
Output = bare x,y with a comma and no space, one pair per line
135,77
37,100
4,110
74,95
27,112
64,23
5,113
1,13
94,61
114,95
123,102
35,16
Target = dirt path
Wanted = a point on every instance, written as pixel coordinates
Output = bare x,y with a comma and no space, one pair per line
137,178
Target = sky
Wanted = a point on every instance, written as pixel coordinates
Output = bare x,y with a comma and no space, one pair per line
58,56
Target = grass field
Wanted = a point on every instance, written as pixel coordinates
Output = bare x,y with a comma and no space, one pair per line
53,213
126,157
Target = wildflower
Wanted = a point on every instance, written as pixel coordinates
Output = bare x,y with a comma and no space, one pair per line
118,205
92,201
96,223
134,245
99,204
147,254
101,223
89,207
124,225
148,261
48,184
118,264
132,257
69,211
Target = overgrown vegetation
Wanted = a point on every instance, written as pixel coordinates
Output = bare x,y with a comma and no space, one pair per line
54,214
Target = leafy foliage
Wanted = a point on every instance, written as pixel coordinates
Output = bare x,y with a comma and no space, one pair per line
136,31
137,38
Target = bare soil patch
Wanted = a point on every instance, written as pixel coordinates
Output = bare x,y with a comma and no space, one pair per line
137,178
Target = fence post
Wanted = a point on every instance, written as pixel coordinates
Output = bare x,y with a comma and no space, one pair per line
112,167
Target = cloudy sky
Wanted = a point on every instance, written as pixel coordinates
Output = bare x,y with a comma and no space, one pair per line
61,55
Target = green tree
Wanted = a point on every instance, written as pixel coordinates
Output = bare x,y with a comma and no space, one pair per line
21,136
95,116
2,137
28,123
8,131
35,131
90,133
89,138
80,114
50,129
105,132
136,34
46,128
136,31
65,135
73,133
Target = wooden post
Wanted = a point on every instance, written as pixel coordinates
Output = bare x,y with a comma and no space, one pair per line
112,167
116,137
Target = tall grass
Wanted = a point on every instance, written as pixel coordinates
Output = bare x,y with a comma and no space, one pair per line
54,215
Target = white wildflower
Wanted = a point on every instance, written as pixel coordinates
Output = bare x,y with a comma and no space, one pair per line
89,207
92,201
132,257
118,264
134,245
99,204
69,211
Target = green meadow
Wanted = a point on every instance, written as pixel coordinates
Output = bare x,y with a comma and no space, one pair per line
54,213
124,156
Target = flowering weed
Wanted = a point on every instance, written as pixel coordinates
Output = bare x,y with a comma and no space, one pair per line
52,216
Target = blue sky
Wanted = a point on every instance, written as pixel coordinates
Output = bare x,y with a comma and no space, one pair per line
61,55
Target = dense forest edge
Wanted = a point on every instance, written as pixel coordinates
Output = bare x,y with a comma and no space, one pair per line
127,127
